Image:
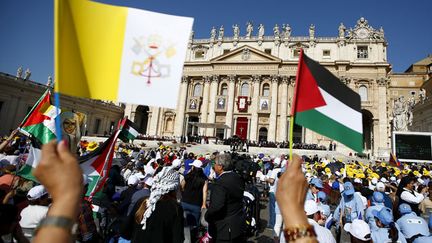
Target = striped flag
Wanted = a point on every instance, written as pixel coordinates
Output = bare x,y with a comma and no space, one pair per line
97,164
323,104
129,130
393,161
117,53
33,158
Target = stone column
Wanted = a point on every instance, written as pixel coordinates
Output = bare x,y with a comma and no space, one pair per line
291,86
205,104
179,121
212,103
282,131
382,138
273,111
254,108
375,136
154,123
230,107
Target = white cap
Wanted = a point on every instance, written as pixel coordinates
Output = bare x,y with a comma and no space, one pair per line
176,163
148,169
133,180
277,161
36,192
359,229
374,181
384,180
420,180
149,181
308,175
392,178
380,186
197,163
139,175
358,180
337,173
310,207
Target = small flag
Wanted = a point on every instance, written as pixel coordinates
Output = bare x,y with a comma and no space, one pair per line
323,104
97,164
393,161
40,122
117,53
129,130
33,158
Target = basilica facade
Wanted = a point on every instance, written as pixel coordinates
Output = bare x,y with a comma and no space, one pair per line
243,84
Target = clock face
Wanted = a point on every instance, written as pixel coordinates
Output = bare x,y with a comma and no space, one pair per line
362,33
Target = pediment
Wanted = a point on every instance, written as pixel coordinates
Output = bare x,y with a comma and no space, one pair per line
246,54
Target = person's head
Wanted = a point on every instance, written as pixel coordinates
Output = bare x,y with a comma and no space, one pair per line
133,181
223,163
411,183
348,191
404,209
196,164
384,219
377,198
359,231
312,210
38,195
322,196
316,185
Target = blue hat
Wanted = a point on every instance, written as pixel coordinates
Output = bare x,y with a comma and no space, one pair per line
322,196
335,185
384,215
348,188
378,197
404,208
317,183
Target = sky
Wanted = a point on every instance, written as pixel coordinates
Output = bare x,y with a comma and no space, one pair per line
26,26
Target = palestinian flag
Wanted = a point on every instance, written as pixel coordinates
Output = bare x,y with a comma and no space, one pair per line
33,158
393,161
323,104
97,164
40,121
129,130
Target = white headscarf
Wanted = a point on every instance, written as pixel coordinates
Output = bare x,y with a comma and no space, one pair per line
163,182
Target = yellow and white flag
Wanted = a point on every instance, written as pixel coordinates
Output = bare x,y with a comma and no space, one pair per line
120,54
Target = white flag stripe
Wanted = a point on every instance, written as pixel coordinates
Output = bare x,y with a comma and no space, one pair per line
341,113
154,51
133,131
33,157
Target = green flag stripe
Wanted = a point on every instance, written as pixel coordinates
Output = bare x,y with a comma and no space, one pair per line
320,123
41,132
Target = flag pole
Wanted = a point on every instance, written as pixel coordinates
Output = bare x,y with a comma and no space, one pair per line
57,118
293,105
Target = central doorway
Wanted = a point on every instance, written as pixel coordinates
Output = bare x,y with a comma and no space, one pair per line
242,127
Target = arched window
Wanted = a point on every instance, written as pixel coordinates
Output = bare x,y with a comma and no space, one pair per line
265,90
169,125
197,90
224,89
363,92
244,89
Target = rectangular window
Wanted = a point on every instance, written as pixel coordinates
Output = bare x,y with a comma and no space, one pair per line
199,54
225,51
362,52
326,53
296,53
97,125
268,51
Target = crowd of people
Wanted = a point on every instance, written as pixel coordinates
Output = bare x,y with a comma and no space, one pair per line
167,194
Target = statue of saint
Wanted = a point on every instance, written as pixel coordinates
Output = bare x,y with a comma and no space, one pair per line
342,29
236,31
261,31
400,117
49,82
249,29
192,34
221,32
213,33
422,95
27,74
410,106
19,72
286,31
312,31
276,31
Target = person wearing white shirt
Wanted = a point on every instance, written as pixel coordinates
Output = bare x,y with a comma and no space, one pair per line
37,210
324,235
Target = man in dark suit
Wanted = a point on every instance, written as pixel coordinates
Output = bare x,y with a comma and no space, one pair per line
225,213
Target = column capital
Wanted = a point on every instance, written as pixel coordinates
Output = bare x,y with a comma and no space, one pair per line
285,79
207,79
383,82
345,80
256,78
215,78
185,79
275,78
231,78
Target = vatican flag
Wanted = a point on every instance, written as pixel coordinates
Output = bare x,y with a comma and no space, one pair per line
119,54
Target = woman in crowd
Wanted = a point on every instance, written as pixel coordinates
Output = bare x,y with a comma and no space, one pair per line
158,218
387,230
194,195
